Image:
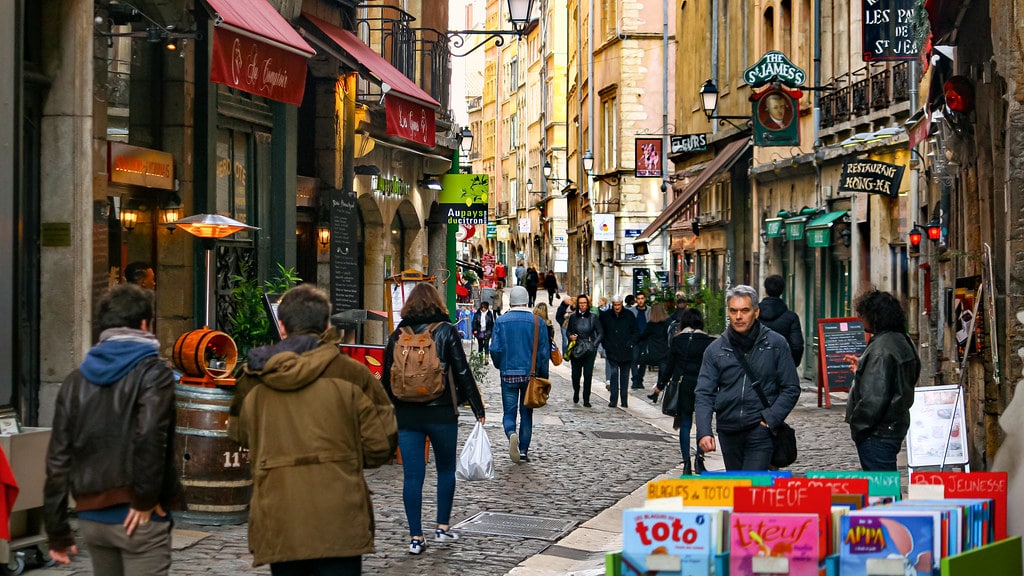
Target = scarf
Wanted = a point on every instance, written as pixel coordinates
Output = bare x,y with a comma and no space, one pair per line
744,343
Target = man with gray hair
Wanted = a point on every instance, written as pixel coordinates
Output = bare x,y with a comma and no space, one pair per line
745,364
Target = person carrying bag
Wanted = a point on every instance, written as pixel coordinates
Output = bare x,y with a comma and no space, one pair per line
784,451
538,389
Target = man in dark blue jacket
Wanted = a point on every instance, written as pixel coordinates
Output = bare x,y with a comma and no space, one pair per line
620,336
724,387
512,348
777,316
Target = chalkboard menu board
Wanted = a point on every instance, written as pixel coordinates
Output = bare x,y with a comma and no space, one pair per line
888,31
344,260
837,337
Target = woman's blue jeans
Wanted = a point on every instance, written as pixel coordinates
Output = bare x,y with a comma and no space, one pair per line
412,442
512,396
685,424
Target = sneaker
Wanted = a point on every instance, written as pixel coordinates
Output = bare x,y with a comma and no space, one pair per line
524,457
416,547
608,386
513,447
442,535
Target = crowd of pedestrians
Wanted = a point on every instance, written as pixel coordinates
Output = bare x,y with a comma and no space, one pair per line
313,419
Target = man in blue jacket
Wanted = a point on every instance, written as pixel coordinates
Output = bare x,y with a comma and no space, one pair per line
512,347
725,388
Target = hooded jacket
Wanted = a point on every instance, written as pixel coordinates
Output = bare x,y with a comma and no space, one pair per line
777,316
313,420
112,442
723,387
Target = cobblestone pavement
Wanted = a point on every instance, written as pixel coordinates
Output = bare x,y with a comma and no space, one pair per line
573,475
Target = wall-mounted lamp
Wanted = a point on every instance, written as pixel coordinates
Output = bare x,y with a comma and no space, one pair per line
384,89
914,236
123,13
323,235
431,184
845,234
367,170
171,212
588,162
529,185
520,14
129,216
709,101
934,229
549,175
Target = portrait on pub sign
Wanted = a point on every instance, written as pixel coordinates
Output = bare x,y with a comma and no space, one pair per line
775,110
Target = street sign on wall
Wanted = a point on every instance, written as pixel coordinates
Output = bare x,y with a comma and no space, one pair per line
683,143
774,66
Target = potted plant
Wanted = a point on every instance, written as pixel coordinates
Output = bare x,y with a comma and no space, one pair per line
250,325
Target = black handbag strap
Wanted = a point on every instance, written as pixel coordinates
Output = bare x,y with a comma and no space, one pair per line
755,381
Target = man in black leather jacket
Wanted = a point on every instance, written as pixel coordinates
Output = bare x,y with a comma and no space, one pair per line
878,409
112,444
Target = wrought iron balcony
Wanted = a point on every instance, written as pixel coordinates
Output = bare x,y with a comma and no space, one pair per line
878,91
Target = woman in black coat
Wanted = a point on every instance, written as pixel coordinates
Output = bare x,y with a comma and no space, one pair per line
582,326
686,353
532,283
551,286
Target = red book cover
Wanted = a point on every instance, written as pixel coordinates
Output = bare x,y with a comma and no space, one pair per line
803,499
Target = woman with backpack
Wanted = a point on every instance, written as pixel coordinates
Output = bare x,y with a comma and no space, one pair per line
426,404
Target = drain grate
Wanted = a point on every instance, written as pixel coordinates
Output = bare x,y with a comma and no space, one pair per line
516,525
605,435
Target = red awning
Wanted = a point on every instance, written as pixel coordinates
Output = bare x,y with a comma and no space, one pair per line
375,64
257,51
723,161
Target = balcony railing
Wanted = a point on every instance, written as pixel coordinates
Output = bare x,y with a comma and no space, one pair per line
421,54
878,91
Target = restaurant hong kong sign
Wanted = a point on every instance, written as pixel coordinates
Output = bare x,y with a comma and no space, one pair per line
872,177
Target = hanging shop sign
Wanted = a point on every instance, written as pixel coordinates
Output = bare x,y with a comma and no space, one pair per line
774,112
463,198
137,166
773,227
774,66
503,232
872,177
524,225
887,29
409,120
492,230
604,227
648,158
684,143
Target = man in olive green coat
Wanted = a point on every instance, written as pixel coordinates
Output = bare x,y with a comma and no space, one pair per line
313,419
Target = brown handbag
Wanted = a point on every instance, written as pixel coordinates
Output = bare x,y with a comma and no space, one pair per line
538,389
556,356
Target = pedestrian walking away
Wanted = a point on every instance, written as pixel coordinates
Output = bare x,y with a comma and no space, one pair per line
641,311
551,286
532,284
562,314
313,420
584,330
521,274
724,388
112,445
878,409
437,418
777,316
483,326
683,367
512,349
653,342
620,336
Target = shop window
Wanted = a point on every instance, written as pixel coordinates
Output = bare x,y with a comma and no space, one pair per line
235,158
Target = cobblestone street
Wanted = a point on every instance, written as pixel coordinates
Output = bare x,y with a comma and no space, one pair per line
583,461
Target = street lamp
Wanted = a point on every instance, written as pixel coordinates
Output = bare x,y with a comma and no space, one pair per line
709,102
529,185
588,162
520,14
466,141
547,170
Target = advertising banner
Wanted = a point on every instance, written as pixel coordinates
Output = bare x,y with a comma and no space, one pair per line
463,198
604,227
872,177
648,158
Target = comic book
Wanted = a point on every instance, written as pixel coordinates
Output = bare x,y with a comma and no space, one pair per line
676,543
762,542
877,543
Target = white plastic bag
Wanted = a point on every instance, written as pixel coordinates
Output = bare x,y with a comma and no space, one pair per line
476,461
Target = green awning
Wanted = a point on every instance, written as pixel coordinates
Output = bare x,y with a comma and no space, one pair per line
795,227
773,227
819,230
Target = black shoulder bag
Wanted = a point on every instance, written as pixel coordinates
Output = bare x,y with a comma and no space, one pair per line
673,390
784,452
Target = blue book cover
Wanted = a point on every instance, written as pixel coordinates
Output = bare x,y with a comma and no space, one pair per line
879,543
652,539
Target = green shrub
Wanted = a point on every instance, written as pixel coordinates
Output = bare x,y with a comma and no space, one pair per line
250,326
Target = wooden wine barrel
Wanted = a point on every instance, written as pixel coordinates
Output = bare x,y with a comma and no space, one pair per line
205,352
214,469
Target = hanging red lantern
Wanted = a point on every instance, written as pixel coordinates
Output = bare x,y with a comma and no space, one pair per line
959,94
915,237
